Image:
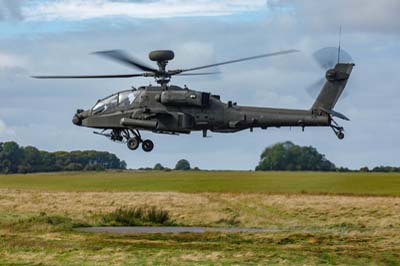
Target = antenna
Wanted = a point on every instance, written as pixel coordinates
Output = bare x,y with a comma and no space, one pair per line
340,40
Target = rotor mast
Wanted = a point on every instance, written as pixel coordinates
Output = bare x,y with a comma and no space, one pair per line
162,57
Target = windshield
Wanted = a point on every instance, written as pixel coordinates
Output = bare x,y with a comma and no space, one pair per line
126,98
122,99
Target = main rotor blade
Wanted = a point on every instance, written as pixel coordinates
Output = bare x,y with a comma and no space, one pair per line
242,59
199,74
122,57
92,77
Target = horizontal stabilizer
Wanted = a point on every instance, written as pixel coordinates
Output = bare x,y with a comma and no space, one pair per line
335,114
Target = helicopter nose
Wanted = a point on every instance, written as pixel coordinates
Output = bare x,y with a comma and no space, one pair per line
77,120
79,116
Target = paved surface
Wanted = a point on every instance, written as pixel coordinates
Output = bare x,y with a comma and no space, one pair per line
168,229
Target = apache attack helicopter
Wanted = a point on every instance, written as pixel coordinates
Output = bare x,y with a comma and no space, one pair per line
170,109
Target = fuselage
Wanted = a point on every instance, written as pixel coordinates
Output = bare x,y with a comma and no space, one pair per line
181,110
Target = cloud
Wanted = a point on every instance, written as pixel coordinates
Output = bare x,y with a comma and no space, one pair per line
10,60
83,9
355,15
5,130
11,69
2,126
10,9
192,52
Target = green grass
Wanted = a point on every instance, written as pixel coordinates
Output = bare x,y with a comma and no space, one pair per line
196,249
211,181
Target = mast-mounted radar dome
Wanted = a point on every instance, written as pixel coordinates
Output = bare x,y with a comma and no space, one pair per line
161,55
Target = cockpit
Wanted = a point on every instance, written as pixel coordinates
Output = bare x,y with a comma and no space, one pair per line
121,100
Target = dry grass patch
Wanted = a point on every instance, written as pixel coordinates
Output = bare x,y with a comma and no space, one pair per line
214,209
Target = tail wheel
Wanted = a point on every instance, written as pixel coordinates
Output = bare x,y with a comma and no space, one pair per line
133,143
147,145
338,130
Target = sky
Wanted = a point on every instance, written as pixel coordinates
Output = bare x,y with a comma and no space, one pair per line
58,37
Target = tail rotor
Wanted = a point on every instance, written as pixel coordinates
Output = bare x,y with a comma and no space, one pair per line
327,58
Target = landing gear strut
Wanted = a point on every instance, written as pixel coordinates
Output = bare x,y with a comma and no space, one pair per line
133,143
338,130
131,137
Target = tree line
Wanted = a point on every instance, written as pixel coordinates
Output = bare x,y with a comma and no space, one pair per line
181,165
17,159
287,156
381,169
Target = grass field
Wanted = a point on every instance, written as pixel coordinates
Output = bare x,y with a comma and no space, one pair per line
212,181
323,227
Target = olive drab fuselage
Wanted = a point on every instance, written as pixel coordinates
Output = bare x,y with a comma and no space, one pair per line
181,110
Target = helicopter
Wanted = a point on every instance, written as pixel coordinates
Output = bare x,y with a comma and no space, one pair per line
171,109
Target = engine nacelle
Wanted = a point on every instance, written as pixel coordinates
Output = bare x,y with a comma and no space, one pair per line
185,98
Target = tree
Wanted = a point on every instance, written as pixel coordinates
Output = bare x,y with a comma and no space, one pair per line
182,165
158,167
16,159
74,167
32,159
11,156
288,156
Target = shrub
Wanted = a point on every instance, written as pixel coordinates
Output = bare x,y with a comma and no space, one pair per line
134,216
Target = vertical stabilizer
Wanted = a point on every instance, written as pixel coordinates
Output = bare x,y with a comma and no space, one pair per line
336,80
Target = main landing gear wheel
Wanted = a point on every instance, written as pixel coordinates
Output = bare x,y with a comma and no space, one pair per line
133,143
147,145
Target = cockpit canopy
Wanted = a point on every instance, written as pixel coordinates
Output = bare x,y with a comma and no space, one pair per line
121,99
